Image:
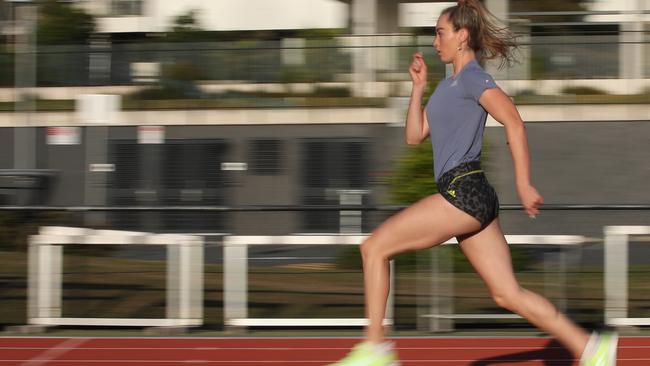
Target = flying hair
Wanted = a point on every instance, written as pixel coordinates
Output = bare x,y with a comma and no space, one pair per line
487,37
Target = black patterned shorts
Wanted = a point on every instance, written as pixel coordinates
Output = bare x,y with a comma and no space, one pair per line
467,188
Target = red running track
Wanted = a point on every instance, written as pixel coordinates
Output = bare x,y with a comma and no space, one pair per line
436,351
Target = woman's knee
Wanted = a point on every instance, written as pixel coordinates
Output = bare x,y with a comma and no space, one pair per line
508,298
371,249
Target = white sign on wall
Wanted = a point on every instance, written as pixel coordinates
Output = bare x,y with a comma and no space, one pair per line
63,136
151,134
101,167
98,108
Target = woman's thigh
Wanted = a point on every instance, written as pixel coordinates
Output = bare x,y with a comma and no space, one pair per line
489,254
426,223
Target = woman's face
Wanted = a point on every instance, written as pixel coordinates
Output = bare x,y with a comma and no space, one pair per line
446,40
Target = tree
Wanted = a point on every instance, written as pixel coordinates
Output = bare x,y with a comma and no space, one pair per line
412,178
186,28
63,23
186,22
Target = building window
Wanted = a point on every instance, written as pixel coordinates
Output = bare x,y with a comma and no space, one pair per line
121,8
264,156
179,172
329,168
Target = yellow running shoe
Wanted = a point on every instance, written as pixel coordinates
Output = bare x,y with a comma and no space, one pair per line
368,354
600,350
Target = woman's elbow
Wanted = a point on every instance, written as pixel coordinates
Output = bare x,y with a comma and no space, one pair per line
514,124
414,140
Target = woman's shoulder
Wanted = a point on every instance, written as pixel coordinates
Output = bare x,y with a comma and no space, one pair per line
476,80
474,69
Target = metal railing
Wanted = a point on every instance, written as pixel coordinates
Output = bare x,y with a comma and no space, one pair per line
324,60
284,208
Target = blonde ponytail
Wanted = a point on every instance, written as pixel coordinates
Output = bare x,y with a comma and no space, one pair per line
486,37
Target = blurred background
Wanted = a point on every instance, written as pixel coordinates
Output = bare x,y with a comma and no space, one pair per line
285,117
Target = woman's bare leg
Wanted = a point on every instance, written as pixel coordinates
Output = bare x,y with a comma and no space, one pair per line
488,252
426,223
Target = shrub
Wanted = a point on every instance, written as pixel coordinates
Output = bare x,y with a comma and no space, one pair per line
582,90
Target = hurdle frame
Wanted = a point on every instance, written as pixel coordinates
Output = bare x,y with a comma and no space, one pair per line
235,249
235,280
441,316
184,279
616,274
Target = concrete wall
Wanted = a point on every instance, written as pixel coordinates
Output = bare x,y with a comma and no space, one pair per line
576,163
315,116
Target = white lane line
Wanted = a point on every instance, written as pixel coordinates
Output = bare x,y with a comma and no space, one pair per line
432,338
301,361
541,347
54,352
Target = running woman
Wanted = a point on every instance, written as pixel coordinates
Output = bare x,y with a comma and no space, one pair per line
467,206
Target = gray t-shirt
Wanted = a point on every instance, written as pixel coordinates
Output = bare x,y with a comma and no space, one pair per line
456,119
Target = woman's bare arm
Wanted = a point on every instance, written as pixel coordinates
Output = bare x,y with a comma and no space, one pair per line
499,106
417,126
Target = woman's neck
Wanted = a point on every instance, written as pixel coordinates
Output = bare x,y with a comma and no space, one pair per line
463,59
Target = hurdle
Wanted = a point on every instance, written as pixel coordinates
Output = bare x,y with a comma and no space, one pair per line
616,275
441,314
235,274
235,249
184,282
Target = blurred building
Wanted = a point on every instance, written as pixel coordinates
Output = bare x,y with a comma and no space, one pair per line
289,121
133,16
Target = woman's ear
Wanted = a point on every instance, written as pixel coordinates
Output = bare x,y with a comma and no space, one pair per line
463,36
